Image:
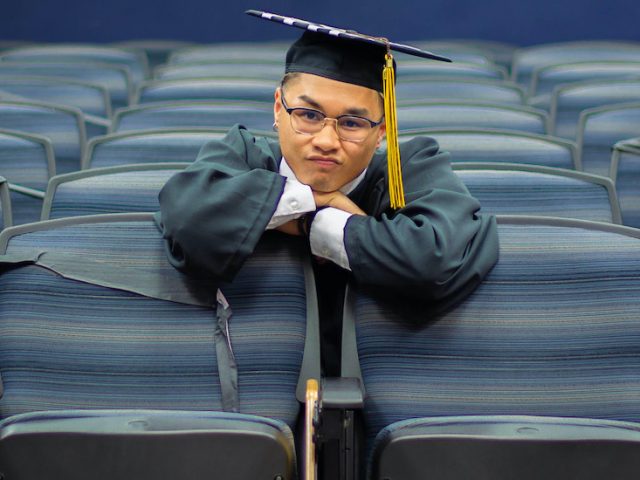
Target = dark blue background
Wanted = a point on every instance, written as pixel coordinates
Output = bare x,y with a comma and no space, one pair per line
521,23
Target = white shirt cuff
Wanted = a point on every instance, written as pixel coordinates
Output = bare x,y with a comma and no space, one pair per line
327,236
296,200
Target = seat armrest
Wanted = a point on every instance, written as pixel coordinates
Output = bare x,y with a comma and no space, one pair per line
342,393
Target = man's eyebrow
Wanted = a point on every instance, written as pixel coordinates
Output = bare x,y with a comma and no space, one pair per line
361,112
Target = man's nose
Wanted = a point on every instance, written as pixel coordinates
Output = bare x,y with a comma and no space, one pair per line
327,138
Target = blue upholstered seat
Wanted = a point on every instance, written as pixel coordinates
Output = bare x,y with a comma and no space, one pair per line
553,331
458,52
63,126
120,189
515,189
248,51
27,163
569,101
625,172
254,115
136,63
456,88
6,214
414,68
89,98
116,79
503,146
420,115
239,89
148,146
526,60
156,51
118,328
599,129
498,53
219,69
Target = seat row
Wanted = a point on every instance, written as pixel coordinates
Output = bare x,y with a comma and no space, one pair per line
111,358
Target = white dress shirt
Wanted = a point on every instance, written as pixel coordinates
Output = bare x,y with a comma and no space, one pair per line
327,230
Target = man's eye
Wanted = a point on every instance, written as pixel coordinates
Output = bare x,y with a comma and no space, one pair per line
352,123
310,116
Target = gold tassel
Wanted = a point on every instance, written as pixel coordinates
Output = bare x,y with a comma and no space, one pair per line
396,189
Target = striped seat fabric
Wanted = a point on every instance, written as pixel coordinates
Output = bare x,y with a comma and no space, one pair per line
228,69
254,115
148,146
625,171
553,331
121,189
600,129
456,88
239,89
239,52
512,189
417,69
503,146
123,330
451,114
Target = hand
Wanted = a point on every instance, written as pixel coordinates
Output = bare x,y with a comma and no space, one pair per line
290,228
337,200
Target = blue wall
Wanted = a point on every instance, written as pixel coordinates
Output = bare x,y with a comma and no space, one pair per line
518,22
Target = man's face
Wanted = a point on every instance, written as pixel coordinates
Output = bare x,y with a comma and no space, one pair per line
324,161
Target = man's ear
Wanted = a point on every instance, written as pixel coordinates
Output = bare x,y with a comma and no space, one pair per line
382,132
277,104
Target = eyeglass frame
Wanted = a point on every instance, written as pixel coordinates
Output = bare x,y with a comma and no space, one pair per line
289,109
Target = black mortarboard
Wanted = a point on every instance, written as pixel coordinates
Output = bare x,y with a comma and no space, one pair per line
351,57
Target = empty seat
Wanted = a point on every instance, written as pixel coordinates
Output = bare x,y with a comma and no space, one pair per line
513,189
420,115
516,378
545,79
499,53
568,101
6,215
414,68
261,51
456,88
27,163
109,353
526,60
207,89
136,63
458,52
89,98
148,146
253,115
625,172
600,128
228,69
121,189
503,146
63,126
156,51
116,79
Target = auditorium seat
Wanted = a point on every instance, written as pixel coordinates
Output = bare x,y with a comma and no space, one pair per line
499,53
116,79
26,162
416,68
125,368
254,115
80,53
157,51
64,126
458,89
527,59
501,146
457,52
568,101
90,99
421,115
534,375
252,90
516,189
261,51
545,79
148,146
6,214
219,69
625,172
120,189
600,128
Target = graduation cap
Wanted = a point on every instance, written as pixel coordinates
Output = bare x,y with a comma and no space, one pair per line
352,57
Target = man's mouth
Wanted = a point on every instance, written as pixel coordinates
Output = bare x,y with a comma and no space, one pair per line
324,161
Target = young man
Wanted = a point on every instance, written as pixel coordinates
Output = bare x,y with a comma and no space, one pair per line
324,179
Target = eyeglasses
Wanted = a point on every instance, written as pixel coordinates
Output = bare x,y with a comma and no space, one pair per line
308,121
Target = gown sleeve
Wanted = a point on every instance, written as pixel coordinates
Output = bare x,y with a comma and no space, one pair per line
209,233
438,247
